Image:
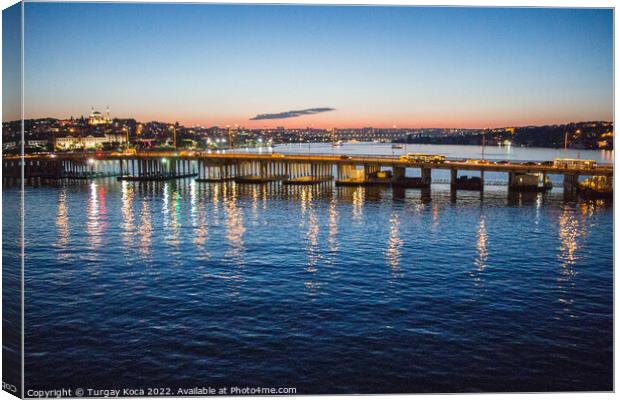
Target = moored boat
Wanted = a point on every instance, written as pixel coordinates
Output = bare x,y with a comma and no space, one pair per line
596,187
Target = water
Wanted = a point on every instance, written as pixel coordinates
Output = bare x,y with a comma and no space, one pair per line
328,290
511,153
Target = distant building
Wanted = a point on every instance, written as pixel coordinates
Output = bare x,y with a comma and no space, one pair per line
90,141
16,145
96,118
41,143
12,145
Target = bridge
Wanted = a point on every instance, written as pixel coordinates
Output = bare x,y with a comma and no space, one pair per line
290,169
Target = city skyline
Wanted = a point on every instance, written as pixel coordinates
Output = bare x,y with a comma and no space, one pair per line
319,66
85,116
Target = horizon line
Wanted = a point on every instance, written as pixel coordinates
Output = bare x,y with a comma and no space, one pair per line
332,127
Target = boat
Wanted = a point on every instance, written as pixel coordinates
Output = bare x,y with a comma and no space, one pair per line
397,146
530,183
597,187
337,144
591,193
467,183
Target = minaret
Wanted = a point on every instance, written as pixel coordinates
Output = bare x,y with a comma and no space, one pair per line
174,136
108,112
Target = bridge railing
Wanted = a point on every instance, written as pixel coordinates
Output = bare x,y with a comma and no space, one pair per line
385,156
235,153
487,182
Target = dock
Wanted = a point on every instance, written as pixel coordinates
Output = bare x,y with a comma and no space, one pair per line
307,180
258,179
154,178
215,180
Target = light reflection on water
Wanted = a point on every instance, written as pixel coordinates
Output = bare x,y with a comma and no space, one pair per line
266,268
62,224
333,226
94,218
481,248
254,190
146,229
312,235
127,209
234,228
200,224
395,243
569,232
569,235
358,204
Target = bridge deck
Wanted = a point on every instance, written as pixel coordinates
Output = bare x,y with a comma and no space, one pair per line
459,164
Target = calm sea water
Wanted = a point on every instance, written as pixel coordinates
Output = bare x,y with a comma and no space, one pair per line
329,290
512,153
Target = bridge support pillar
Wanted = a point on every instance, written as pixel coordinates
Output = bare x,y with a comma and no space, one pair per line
570,186
369,170
453,176
426,176
511,179
425,194
398,172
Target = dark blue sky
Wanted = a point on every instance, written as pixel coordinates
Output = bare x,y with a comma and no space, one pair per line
380,66
11,63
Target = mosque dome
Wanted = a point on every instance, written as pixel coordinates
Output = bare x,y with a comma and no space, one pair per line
96,118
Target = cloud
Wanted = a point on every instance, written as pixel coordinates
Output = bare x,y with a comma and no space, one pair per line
293,113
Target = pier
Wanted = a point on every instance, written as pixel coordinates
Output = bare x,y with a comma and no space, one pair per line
292,169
